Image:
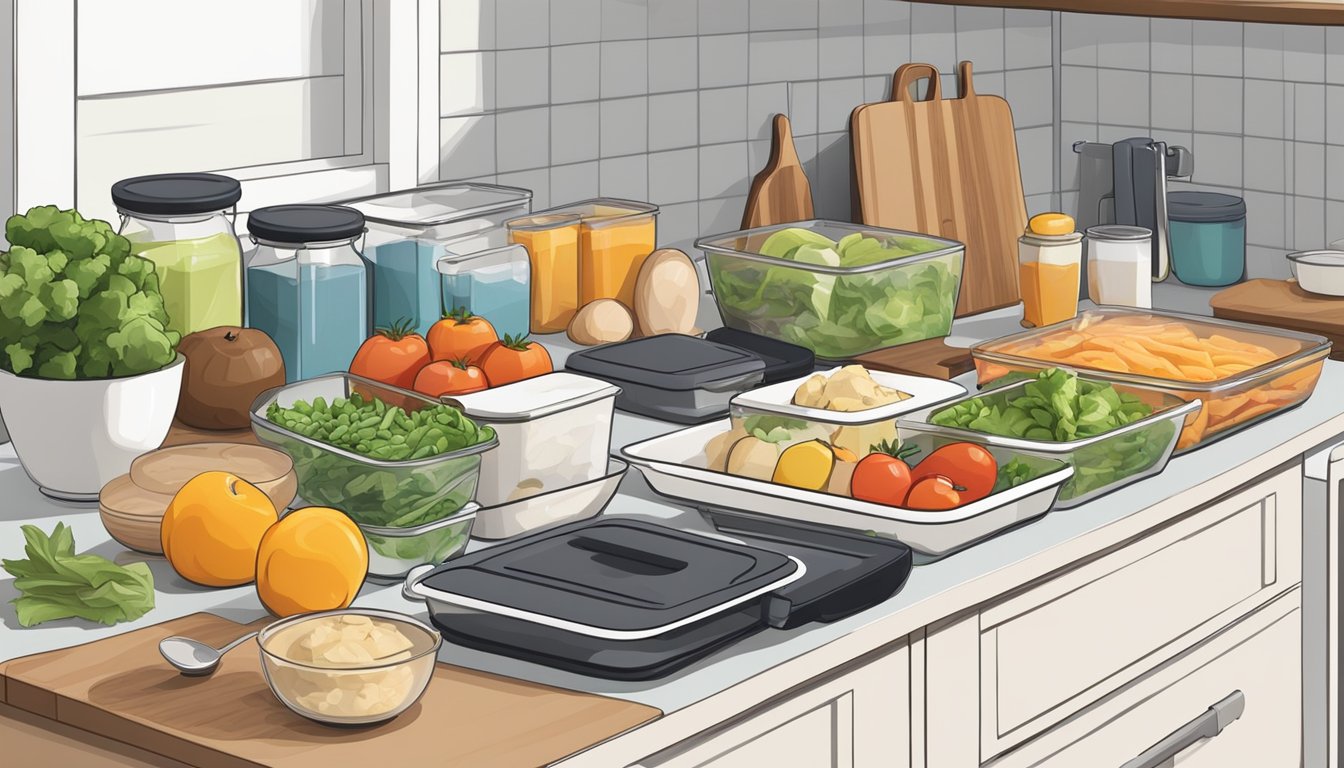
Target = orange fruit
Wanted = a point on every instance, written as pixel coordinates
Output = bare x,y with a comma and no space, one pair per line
212,528
314,559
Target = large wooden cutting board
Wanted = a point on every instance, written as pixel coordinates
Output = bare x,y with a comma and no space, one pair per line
120,688
1283,304
945,167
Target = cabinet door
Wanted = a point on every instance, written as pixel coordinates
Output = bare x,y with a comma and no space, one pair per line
859,719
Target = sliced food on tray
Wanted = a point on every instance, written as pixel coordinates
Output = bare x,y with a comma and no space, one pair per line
850,389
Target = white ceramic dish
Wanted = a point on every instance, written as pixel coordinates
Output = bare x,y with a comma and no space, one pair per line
674,465
1319,272
551,508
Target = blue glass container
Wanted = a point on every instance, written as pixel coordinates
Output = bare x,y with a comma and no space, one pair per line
494,284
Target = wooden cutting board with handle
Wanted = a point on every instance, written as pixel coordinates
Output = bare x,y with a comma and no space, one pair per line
120,688
1283,304
945,167
780,193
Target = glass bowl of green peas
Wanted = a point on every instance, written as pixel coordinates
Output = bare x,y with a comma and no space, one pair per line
386,457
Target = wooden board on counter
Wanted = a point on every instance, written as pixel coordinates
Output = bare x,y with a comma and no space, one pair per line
120,688
931,357
1283,304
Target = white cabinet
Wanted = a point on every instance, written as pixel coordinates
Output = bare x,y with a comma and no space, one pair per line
859,718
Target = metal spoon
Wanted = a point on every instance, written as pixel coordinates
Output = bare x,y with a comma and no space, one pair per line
194,658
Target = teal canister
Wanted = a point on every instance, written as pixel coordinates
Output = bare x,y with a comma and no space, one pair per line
1208,237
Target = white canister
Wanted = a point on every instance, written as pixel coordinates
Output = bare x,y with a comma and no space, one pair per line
1119,265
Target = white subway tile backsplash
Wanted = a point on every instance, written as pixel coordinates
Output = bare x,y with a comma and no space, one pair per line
787,55
1265,217
1334,55
758,152
722,216
886,36
807,155
1218,48
571,183
840,42
1304,53
466,25
625,68
1262,262
1030,93
1034,149
625,19
625,126
1265,109
723,115
1122,43
466,146
767,15
1334,172
719,17
723,170
522,139
933,35
1310,112
674,177
574,132
980,37
624,177
466,83
1217,159
1334,220
1040,204
1263,51
1078,38
522,77
1172,102
674,120
1172,48
1070,133
1308,229
992,84
672,18
1078,94
876,88
576,21
576,73
1027,39
673,64
679,226
831,184
1122,97
1218,104
835,100
526,23
1308,169
537,180
723,60
763,103
1263,167
803,108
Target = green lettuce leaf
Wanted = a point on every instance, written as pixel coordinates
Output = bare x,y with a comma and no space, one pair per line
55,583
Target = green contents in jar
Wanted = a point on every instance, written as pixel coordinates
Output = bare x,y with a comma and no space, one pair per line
201,280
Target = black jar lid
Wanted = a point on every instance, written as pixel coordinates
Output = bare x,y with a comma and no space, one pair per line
305,223
1204,207
176,194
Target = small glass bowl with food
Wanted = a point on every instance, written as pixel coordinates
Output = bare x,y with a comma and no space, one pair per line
352,667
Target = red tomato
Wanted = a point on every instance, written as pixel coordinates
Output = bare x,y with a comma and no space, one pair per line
442,377
934,492
461,335
392,355
514,359
968,465
882,477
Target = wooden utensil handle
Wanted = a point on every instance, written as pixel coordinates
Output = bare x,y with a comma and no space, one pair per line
909,74
964,86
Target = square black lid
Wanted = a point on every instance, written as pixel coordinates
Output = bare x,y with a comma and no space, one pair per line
669,361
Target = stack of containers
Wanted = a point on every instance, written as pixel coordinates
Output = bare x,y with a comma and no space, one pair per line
412,230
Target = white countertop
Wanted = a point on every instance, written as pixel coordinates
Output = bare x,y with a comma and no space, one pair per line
934,590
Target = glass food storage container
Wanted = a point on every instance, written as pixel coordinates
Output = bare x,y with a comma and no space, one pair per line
393,552
615,238
839,289
493,284
1101,463
1208,237
385,494
183,222
1119,265
552,243
1241,373
307,286
1049,256
410,230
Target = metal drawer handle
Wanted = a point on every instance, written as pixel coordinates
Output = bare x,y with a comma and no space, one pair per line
1206,726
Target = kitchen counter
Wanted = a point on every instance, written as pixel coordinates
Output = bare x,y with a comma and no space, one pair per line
773,661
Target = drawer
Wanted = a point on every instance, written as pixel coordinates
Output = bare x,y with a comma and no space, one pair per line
1037,658
1255,666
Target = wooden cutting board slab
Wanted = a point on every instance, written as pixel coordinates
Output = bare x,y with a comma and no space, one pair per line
120,688
780,193
1283,304
945,167
931,357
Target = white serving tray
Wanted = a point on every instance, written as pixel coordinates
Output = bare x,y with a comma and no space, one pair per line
674,466
924,393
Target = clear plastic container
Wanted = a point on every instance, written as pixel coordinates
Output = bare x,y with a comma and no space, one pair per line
1256,371
494,284
899,290
1050,255
393,552
410,230
615,238
307,286
1102,463
1119,265
552,243
183,222
369,491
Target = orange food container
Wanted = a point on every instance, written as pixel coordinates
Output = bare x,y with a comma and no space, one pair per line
1242,373
552,243
615,238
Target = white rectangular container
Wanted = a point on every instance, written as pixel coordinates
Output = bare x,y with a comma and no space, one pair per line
554,432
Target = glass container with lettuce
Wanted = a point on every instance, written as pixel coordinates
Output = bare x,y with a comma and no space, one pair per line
1113,435
838,289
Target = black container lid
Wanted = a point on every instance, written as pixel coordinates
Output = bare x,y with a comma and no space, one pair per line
783,361
305,223
611,576
1202,207
670,361
176,194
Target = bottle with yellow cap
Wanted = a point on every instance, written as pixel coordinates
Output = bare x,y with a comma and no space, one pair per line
1049,255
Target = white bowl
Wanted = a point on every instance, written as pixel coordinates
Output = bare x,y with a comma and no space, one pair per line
1319,272
73,437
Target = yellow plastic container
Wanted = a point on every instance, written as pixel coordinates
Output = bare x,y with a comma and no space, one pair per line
1049,258
615,238
552,243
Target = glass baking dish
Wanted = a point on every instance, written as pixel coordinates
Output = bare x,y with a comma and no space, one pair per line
1101,464
1283,366
388,494
814,289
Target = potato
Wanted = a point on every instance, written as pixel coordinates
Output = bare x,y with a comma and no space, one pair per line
667,294
716,450
601,322
753,457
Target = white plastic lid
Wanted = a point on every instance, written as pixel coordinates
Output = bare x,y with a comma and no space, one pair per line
440,204
533,398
